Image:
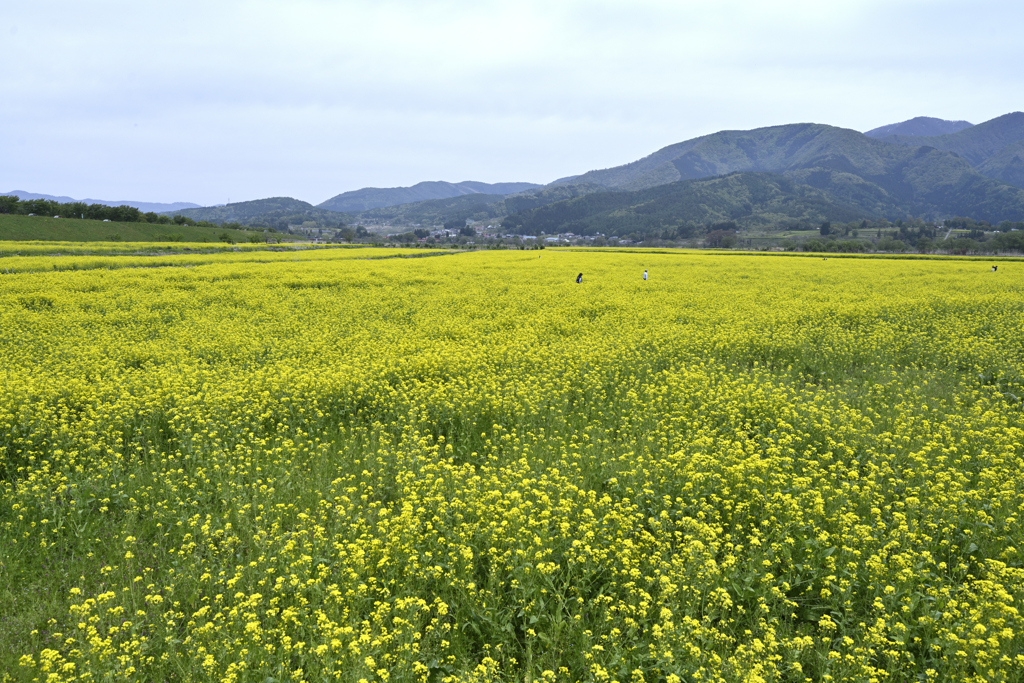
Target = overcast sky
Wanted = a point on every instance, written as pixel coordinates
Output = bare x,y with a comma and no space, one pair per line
213,101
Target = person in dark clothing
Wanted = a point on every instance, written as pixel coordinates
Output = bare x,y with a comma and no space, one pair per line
994,268
579,279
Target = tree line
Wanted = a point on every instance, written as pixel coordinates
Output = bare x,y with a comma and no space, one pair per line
97,212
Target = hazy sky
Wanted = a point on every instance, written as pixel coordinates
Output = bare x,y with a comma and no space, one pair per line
214,100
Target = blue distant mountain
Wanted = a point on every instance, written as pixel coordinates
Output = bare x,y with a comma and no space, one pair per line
156,207
921,125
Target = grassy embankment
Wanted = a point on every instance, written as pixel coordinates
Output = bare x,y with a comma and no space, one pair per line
15,227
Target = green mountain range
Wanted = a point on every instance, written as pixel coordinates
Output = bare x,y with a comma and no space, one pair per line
876,176
274,212
920,125
778,175
995,148
685,207
479,207
475,207
377,198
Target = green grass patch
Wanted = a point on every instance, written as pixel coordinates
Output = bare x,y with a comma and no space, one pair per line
22,228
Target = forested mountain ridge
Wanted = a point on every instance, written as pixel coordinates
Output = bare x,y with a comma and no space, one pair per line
874,177
776,149
994,148
919,126
273,212
880,177
434,211
474,207
377,198
686,207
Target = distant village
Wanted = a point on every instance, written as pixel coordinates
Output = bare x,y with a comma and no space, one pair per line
953,236
493,232
471,235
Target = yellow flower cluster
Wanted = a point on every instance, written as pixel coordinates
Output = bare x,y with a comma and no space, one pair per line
470,468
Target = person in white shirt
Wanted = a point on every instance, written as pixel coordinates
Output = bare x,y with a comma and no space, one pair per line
645,275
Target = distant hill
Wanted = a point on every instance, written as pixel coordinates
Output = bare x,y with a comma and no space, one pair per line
879,177
686,207
274,212
145,207
920,125
994,148
377,198
429,212
476,207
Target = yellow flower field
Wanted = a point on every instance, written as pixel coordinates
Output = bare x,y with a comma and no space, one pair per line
33,258
467,467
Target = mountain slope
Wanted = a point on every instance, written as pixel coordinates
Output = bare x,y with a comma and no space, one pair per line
1006,165
156,207
650,171
746,199
921,125
477,207
549,195
893,179
376,198
434,211
975,144
775,149
276,212
995,148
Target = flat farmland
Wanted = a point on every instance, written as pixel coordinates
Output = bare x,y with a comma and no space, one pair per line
467,467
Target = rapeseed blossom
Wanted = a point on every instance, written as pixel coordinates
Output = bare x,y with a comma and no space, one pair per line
469,468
